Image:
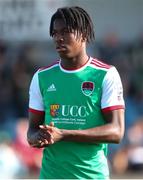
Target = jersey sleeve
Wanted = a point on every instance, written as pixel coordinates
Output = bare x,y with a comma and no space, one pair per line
35,97
112,93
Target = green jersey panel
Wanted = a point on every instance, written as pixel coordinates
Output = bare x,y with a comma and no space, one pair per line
69,104
73,101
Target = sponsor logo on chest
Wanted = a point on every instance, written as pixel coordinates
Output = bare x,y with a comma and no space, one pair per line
68,110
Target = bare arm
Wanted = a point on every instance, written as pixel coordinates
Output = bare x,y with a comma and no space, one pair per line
112,132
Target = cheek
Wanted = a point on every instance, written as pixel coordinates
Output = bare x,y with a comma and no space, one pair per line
72,40
77,47
75,43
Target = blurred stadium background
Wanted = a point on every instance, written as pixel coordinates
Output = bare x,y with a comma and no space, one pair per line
25,46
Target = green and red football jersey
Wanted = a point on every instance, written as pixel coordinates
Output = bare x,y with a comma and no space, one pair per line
76,99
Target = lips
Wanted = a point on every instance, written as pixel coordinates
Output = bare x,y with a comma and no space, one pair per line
61,48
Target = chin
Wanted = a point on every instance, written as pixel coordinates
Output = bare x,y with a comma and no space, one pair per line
65,56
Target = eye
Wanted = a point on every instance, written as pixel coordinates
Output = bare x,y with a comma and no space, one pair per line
54,33
65,31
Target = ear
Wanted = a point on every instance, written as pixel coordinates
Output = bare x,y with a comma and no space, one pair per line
84,37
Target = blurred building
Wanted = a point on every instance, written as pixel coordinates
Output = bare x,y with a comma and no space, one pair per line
29,19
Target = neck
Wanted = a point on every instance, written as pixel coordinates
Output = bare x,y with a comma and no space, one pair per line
75,62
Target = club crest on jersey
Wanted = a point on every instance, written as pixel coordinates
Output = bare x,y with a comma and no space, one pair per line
87,88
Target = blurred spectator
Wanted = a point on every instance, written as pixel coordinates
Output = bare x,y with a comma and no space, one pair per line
30,157
110,48
7,106
130,157
22,71
135,153
10,165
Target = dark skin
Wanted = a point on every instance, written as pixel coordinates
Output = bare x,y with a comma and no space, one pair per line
72,50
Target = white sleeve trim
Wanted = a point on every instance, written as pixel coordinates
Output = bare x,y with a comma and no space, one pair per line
35,97
112,92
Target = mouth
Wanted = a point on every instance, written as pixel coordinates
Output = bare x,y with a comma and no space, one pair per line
61,48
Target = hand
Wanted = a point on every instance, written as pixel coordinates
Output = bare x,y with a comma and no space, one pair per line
41,139
55,133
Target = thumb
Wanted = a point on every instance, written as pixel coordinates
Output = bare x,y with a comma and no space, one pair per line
51,124
42,126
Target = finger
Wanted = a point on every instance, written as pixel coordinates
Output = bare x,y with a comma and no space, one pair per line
51,124
41,144
46,128
44,135
46,141
38,144
45,145
46,138
51,141
42,127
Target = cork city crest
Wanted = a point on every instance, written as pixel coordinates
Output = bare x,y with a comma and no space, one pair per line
87,88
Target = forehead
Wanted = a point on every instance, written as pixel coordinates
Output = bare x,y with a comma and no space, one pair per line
59,24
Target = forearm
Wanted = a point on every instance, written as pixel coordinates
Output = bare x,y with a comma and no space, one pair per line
33,130
106,133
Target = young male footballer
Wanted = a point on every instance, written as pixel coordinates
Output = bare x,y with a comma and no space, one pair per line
76,105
